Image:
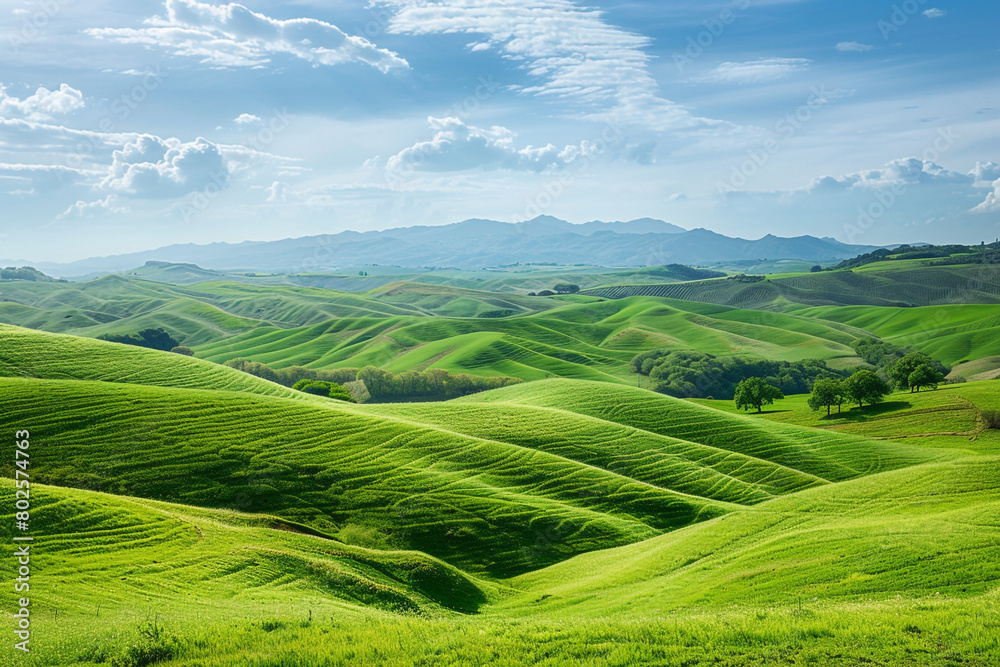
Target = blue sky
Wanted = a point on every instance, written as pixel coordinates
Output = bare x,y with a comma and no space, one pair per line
129,125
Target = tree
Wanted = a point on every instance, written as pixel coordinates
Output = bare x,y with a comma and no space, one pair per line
827,393
566,288
186,351
866,387
925,375
816,269
899,372
755,393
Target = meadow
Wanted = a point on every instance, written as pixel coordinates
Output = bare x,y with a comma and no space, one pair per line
187,513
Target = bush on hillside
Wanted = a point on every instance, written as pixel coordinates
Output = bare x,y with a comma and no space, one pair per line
325,389
991,418
186,351
155,339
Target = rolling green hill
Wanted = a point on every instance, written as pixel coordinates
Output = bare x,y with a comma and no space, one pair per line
894,284
553,522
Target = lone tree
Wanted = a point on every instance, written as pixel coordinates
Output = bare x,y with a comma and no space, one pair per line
827,393
925,375
866,387
755,393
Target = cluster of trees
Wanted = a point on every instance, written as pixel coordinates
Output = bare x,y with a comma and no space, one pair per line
902,367
155,339
293,374
326,389
744,278
558,288
433,384
689,374
372,383
863,387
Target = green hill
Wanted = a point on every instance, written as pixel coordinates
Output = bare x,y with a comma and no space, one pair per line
895,284
553,522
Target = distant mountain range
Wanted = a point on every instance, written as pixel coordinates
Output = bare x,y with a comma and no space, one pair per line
476,244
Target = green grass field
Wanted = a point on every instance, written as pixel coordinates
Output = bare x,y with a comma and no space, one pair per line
185,513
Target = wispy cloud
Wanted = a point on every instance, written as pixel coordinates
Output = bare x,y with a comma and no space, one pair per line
854,47
233,36
934,13
755,71
576,57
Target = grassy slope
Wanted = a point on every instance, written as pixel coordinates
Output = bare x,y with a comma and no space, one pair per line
33,354
853,545
950,333
923,531
590,341
891,284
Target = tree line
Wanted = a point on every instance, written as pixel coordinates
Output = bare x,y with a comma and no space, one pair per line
373,384
690,374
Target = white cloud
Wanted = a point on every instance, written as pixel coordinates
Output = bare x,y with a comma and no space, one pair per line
905,171
755,71
992,202
246,119
82,209
854,47
154,168
934,13
984,173
599,70
457,146
233,36
43,105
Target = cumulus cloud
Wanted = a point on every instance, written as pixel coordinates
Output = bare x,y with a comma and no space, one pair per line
246,119
905,171
854,47
577,58
934,13
232,35
755,71
154,168
43,105
984,173
992,202
457,146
